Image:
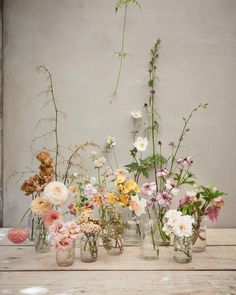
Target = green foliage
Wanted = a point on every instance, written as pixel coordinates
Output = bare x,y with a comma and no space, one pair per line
209,193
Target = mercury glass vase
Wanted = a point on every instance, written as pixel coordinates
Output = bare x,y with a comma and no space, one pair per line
65,257
199,235
42,238
183,249
88,247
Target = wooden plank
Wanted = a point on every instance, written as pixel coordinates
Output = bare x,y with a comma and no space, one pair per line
215,236
25,258
118,282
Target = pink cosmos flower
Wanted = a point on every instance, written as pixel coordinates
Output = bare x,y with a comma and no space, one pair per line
164,199
18,235
186,162
50,217
64,243
190,197
59,229
162,172
148,188
218,202
212,213
73,229
171,186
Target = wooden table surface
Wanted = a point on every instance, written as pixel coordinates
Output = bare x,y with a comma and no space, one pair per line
22,271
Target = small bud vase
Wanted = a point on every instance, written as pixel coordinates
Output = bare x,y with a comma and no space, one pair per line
183,249
65,257
88,247
42,238
150,238
31,225
114,246
133,234
199,235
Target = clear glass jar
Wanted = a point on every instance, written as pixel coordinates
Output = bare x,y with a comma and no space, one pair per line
89,247
199,235
42,238
150,239
164,240
65,257
113,246
133,234
183,249
31,225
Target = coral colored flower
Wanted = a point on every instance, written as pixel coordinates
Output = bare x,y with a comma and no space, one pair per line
148,188
64,243
162,172
164,199
212,213
141,144
39,206
18,235
138,205
136,114
218,202
55,192
50,217
73,190
73,229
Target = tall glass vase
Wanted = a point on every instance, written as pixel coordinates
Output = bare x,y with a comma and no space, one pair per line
164,240
32,220
183,249
42,237
199,235
150,238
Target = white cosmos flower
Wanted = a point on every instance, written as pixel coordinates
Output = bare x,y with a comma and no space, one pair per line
136,114
138,205
141,144
111,141
55,192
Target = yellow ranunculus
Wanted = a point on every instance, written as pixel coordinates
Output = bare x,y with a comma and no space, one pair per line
124,200
120,178
130,186
111,198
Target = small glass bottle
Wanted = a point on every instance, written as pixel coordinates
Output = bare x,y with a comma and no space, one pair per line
183,249
89,247
150,239
42,238
31,225
113,246
65,257
199,235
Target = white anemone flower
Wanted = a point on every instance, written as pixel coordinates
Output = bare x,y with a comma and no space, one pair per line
111,141
136,114
141,144
171,186
55,192
183,226
138,205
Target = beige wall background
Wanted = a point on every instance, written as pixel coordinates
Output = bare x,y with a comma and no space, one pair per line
76,40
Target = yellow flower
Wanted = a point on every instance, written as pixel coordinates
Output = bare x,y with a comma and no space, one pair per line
131,186
111,198
120,178
124,200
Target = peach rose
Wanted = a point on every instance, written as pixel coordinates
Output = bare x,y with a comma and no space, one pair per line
18,235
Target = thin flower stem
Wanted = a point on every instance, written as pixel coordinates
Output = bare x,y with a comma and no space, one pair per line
115,158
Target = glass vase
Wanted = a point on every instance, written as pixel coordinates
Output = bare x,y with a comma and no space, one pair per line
132,235
199,235
183,249
164,240
150,239
114,246
65,257
89,247
42,238
31,225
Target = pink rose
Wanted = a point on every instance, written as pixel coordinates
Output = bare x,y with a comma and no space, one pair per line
18,235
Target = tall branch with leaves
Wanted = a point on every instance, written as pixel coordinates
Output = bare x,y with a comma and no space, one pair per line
122,54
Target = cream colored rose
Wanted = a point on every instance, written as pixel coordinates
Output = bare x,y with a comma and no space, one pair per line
55,192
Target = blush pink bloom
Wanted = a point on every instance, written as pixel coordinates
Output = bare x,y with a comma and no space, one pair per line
64,243
212,213
148,188
18,235
73,229
186,162
218,202
172,187
50,217
164,199
162,172
59,229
